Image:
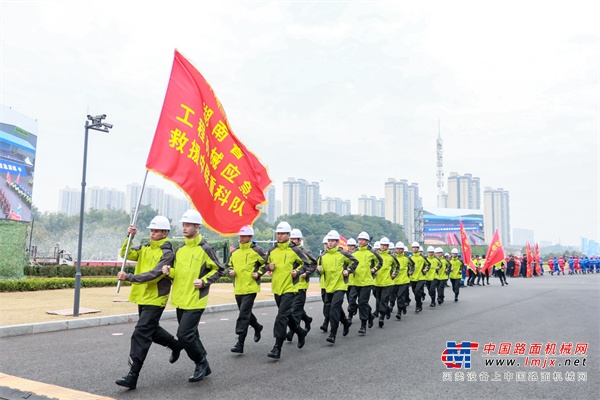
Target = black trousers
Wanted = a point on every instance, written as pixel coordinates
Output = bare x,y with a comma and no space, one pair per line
399,296
455,286
502,276
326,303
335,311
471,280
432,289
246,318
382,299
360,302
284,319
418,287
298,311
352,296
188,335
441,286
148,331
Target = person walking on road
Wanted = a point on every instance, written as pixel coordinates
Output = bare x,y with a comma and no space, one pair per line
150,291
244,265
419,268
196,267
457,268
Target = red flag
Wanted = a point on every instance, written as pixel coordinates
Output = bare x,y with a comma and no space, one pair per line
538,259
18,180
528,252
466,248
8,178
195,147
495,252
343,243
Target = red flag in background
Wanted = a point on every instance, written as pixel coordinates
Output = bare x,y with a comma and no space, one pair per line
343,243
8,178
538,260
18,180
495,252
466,248
528,253
195,147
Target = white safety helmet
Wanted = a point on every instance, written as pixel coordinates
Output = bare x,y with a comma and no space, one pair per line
283,227
333,235
454,251
325,239
364,235
192,217
421,248
392,246
351,242
296,234
430,249
415,244
377,245
400,244
406,249
438,250
246,231
161,223
446,255
384,240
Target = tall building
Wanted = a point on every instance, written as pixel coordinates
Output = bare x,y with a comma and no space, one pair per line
520,237
401,200
300,196
174,207
496,214
271,204
69,201
132,193
104,198
335,205
464,191
371,206
153,196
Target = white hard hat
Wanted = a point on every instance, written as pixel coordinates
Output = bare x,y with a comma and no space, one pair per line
325,239
246,231
438,250
160,222
364,235
454,251
430,248
296,234
333,235
446,255
384,240
377,245
283,227
191,216
406,249
415,244
351,242
392,246
420,248
399,244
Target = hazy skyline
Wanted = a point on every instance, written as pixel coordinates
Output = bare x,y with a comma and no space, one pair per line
347,94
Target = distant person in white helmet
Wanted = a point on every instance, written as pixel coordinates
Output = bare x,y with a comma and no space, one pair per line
196,267
456,270
150,290
244,267
325,326
401,281
384,282
419,268
351,293
442,274
287,262
430,278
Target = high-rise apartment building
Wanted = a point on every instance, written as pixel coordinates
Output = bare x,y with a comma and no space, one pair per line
104,198
69,201
496,214
371,206
401,200
464,191
300,196
335,205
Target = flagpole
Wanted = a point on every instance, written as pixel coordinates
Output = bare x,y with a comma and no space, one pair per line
133,221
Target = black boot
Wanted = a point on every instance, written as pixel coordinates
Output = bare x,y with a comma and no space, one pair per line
202,370
276,351
239,346
404,310
325,326
432,303
175,352
371,319
257,330
331,338
301,337
129,381
381,322
399,316
347,326
289,336
363,328
307,322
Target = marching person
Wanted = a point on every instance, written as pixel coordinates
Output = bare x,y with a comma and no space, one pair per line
336,265
325,326
457,267
150,291
499,267
420,266
243,267
384,281
430,277
287,262
442,274
298,312
401,281
196,267
351,293
369,262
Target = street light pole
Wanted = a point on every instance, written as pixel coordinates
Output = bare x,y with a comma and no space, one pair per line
98,125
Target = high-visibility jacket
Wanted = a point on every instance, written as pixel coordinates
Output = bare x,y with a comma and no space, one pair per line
402,270
196,259
303,283
245,260
457,268
420,267
367,259
384,274
434,264
499,266
334,263
150,286
442,273
287,257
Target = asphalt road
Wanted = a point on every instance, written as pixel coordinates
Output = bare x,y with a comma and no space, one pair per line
401,360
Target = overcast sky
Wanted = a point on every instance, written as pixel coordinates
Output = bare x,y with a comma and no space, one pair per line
344,93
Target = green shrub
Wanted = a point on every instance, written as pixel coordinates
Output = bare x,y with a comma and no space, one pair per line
65,271
28,285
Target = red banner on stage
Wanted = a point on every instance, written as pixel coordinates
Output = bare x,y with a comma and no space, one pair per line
195,147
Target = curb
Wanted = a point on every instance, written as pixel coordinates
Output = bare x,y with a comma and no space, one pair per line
53,326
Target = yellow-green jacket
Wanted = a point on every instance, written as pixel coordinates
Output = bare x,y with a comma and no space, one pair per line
402,270
384,274
196,259
367,259
334,262
457,268
434,263
303,283
286,257
245,260
442,274
421,266
150,286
